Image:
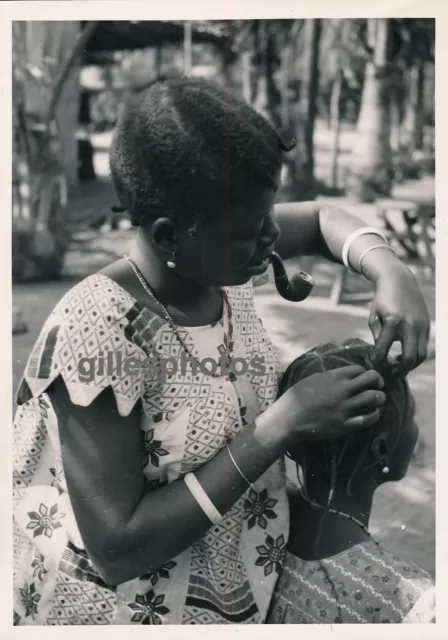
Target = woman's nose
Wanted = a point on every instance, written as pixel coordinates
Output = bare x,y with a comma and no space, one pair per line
269,233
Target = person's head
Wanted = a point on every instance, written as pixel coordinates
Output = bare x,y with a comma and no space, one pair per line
361,456
198,171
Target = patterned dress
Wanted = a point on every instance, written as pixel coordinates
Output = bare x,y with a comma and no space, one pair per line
368,583
229,575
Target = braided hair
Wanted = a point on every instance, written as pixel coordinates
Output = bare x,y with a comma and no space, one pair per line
334,458
183,145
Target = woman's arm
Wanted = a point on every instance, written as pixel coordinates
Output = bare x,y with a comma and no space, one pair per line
310,228
126,527
398,312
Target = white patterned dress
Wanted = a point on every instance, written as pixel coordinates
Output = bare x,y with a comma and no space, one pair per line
230,574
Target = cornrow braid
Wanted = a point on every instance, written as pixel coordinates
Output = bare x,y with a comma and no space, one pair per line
329,456
333,356
184,148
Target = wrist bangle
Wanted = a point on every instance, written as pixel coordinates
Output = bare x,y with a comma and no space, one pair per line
375,246
202,498
354,236
238,469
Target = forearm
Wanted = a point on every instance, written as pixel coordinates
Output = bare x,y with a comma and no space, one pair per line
336,226
168,520
311,228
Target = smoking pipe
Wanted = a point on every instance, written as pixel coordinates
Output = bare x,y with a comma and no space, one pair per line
294,290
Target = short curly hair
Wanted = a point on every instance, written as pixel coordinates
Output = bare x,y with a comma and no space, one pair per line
183,145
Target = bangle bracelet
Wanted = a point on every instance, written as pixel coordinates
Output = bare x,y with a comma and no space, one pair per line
238,469
354,236
202,498
375,246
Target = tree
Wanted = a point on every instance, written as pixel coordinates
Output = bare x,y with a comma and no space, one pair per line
45,59
341,67
371,173
417,50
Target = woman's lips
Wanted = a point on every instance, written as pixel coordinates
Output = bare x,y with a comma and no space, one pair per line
260,267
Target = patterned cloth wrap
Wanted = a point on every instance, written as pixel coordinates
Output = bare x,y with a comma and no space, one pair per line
370,585
230,574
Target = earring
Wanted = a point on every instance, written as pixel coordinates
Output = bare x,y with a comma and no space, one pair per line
170,263
382,457
384,466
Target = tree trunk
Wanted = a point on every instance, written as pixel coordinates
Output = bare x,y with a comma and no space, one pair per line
309,91
246,64
412,133
335,119
300,162
45,80
158,59
266,99
395,126
284,86
371,170
188,54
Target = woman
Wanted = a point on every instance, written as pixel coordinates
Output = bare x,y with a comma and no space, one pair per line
334,572
120,476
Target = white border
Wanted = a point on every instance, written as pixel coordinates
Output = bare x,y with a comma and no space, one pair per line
220,9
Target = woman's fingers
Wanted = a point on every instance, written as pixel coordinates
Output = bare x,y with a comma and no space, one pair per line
365,381
409,349
365,402
422,346
360,422
388,335
375,324
351,371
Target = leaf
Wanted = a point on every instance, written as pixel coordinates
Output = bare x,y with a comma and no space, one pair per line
33,515
270,541
137,616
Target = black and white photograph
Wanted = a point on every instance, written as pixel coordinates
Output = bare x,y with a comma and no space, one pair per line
223,321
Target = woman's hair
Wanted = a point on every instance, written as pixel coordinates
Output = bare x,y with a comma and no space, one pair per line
339,460
184,147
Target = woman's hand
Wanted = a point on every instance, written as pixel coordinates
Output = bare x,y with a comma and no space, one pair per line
328,405
399,313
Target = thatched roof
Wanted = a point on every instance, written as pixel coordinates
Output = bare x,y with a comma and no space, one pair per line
112,35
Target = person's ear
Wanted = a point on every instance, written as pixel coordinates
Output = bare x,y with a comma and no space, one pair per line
163,235
380,452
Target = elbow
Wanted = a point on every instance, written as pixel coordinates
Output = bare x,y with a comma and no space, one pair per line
121,559
110,562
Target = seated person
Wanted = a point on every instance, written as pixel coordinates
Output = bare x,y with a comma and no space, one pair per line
334,571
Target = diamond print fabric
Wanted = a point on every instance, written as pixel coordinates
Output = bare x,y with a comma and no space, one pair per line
187,418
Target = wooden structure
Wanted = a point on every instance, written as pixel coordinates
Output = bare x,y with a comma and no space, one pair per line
416,237
114,35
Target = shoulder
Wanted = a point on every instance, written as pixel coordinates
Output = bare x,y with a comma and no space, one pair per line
95,323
